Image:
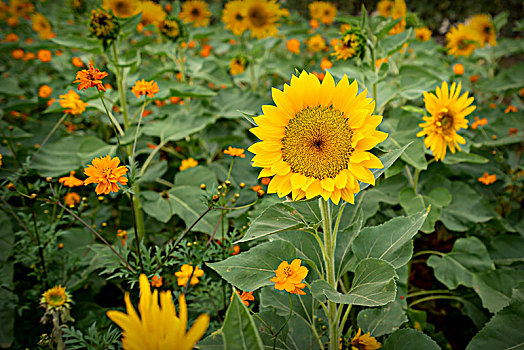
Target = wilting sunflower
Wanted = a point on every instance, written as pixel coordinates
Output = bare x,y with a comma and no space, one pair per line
461,41
322,11
485,30
121,8
262,16
234,17
196,12
103,25
448,115
315,141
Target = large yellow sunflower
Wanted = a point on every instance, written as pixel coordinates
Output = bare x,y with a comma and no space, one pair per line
234,17
323,11
448,115
315,141
485,30
196,12
121,8
261,16
152,13
461,41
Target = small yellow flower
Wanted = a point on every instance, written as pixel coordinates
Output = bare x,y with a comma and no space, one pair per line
188,163
399,10
485,30
106,173
323,11
234,17
55,297
385,7
289,277
261,17
142,87
121,8
72,103
186,272
461,41
364,342
235,152
237,65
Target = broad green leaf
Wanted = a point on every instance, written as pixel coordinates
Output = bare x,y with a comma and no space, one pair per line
382,320
233,103
391,44
239,330
277,218
176,126
373,285
128,25
307,247
304,306
409,339
415,152
415,80
58,158
468,256
463,157
7,312
253,269
10,87
274,322
78,42
154,171
506,249
391,241
156,206
196,176
495,287
507,79
412,203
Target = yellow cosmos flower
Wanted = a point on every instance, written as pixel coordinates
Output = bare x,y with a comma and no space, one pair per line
143,87
196,12
289,277
315,141
157,327
55,297
152,13
234,17
261,16
186,272
364,342
316,43
422,33
323,11
485,30
461,41
121,8
106,173
448,115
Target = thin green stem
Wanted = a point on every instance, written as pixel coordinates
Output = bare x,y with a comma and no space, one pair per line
436,297
410,177
120,80
337,222
415,180
230,168
422,252
136,136
344,319
137,239
150,158
48,136
112,123
374,68
426,292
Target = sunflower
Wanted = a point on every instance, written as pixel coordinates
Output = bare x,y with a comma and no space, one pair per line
364,341
55,298
385,7
323,11
19,8
316,43
103,25
152,13
262,17
121,8
234,17
399,10
172,29
196,12
422,33
461,41
42,26
351,45
315,141
448,115
237,65
484,28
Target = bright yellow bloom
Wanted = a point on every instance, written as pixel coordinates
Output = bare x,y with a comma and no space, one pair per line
351,45
461,41
55,297
188,163
71,180
72,102
246,297
42,26
142,87
484,28
323,11
364,342
106,173
235,152
316,43
71,199
234,17
196,12
448,115
121,8
488,179
399,10
316,140
186,272
261,16
237,65
293,45
422,33
152,13
157,327
289,277
90,78
385,7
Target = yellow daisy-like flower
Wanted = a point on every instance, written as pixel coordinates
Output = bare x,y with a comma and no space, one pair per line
196,12
461,41
315,141
234,17
55,297
157,327
364,341
261,16
121,8
448,115
152,13
484,28
399,10
422,33
323,11
186,272
316,43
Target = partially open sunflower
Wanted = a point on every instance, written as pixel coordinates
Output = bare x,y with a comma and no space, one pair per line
315,140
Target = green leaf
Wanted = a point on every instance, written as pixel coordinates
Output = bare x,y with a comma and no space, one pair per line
307,247
274,322
415,152
409,339
495,287
414,109
373,285
154,171
10,87
176,126
188,202
128,26
500,20
412,203
233,103
463,157
78,42
239,330
468,256
391,44
253,269
344,257
391,241
415,80
506,249
196,176
277,218
156,206
7,312
507,79
386,26
304,306
382,320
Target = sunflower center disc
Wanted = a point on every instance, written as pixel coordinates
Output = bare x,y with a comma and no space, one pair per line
317,142
258,16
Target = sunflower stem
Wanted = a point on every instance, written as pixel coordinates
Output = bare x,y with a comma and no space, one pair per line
329,245
374,67
120,81
415,180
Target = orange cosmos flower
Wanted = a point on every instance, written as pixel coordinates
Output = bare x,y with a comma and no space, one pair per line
256,188
293,45
325,63
77,62
160,103
478,122
188,163
90,78
289,277
235,152
72,102
474,78
510,109
29,56
487,179
71,199
45,91
122,234
11,38
106,173
236,249
71,180
18,54
458,69
156,281
44,55
186,272
245,297
142,87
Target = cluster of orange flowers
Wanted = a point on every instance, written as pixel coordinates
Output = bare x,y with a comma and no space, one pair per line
478,122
